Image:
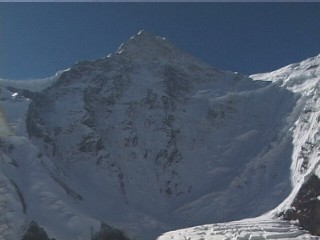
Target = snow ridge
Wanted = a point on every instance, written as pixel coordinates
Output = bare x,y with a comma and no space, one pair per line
34,85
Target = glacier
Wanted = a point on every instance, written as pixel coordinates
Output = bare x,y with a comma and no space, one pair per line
150,139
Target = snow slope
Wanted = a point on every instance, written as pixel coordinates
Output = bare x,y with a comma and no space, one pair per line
302,78
149,140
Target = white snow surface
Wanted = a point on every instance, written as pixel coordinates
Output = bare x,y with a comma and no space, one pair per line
150,140
247,229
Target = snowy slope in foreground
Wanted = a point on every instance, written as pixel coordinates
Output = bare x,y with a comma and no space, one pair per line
249,229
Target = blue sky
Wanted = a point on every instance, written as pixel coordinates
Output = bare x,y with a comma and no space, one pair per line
39,39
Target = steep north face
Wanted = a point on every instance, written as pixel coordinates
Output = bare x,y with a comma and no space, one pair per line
148,139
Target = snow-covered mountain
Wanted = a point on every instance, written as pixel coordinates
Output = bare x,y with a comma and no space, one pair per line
150,139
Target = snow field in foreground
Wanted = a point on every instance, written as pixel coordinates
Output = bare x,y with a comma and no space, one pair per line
249,229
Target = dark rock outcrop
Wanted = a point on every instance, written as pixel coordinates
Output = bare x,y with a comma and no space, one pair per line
109,233
35,232
306,206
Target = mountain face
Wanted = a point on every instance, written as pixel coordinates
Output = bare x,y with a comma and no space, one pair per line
150,139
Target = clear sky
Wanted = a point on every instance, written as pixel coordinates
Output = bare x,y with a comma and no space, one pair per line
39,39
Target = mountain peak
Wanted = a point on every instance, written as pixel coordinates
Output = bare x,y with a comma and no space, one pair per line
145,42
143,34
145,47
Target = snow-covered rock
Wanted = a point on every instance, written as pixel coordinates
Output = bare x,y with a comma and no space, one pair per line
150,139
